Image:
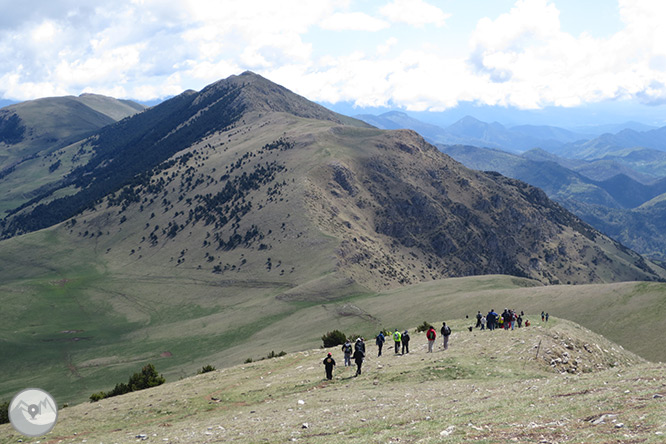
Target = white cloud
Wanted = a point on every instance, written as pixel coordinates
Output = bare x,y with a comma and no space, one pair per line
386,47
542,65
150,48
414,12
353,21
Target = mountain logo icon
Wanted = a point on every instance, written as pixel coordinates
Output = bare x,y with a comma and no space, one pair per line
33,412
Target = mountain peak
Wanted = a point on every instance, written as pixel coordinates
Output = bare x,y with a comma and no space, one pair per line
258,94
394,114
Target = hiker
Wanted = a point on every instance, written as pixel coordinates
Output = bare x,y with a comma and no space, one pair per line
506,319
491,318
431,335
380,342
543,316
446,332
347,350
520,321
483,323
478,319
329,363
396,339
546,317
405,342
527,322
358,358
360,345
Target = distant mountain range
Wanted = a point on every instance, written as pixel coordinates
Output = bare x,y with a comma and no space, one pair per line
640,155
471,131
595,143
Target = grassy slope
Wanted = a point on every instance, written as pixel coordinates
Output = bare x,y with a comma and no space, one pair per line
488,388
182,320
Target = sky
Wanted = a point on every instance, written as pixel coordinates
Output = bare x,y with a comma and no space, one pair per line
413,55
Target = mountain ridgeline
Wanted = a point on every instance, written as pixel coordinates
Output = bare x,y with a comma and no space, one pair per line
32,134
250,180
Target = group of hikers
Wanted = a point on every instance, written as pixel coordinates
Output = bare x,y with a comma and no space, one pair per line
508,320
400,341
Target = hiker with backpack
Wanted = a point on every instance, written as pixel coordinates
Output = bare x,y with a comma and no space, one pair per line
478,319
329,363
431,335
359,355
405,342
397,338
380,342
347,350
360,345
446,332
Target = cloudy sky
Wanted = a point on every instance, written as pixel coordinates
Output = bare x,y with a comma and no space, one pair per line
415,55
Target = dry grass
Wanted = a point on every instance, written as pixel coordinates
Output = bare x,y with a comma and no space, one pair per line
488,387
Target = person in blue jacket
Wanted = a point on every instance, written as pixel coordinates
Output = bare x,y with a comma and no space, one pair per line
380,342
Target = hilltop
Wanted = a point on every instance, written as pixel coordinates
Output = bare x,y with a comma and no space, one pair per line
30,127
30,132
553,382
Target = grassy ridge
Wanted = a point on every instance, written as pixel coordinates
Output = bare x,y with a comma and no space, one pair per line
488,387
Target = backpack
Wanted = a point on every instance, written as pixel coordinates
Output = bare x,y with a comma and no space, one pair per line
431,334
405,337
447,331
360,346
347,348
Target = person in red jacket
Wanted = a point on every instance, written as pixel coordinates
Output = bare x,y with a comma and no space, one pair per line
431,335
